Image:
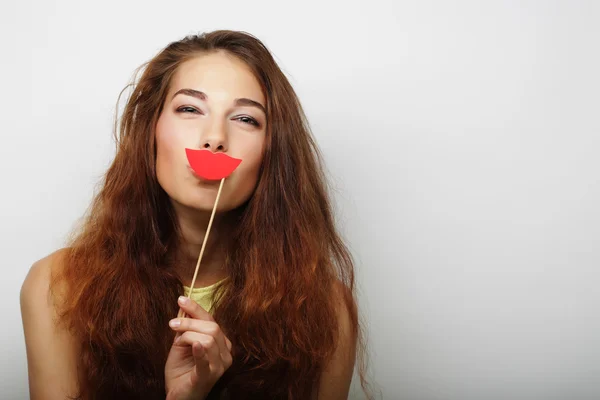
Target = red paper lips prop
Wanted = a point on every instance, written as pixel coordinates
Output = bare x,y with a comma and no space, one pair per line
209,165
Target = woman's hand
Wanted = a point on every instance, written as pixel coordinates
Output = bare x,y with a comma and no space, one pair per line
199,356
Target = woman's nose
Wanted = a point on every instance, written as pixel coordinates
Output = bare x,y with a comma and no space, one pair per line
215,138
214,144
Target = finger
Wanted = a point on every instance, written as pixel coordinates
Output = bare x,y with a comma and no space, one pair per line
194,309
211,349
189,338
206,327
214,353
201,359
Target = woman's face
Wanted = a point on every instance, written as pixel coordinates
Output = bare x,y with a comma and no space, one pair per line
211,113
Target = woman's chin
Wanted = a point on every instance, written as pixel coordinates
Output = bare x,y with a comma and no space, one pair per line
206,206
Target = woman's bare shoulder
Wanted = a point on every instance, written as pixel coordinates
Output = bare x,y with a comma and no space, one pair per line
52,351
38,277
35,290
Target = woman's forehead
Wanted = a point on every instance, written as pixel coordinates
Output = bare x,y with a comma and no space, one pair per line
217,75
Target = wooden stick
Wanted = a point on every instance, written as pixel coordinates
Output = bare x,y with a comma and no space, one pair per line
181,313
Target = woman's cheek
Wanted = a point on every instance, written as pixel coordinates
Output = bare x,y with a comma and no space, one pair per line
245,184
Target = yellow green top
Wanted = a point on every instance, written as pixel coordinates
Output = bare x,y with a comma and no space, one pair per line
202,295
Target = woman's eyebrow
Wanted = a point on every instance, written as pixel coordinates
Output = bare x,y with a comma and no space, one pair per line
238,102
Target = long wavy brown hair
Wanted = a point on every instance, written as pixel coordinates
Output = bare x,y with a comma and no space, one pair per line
277,307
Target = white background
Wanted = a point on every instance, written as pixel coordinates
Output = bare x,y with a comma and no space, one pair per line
462,138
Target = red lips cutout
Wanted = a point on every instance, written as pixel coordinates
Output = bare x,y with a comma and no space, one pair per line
211,165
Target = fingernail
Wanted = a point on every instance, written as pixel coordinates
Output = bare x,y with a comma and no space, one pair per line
178,338
183,300
174,323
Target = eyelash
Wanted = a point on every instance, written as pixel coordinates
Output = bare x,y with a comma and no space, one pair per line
254,122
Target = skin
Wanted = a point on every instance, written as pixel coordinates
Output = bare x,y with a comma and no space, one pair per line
202,353
52,352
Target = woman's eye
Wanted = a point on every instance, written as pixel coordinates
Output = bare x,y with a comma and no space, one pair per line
249,120
186,109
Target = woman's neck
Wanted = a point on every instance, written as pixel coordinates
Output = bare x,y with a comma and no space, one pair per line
193,226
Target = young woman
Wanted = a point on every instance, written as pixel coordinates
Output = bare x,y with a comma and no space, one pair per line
273,312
